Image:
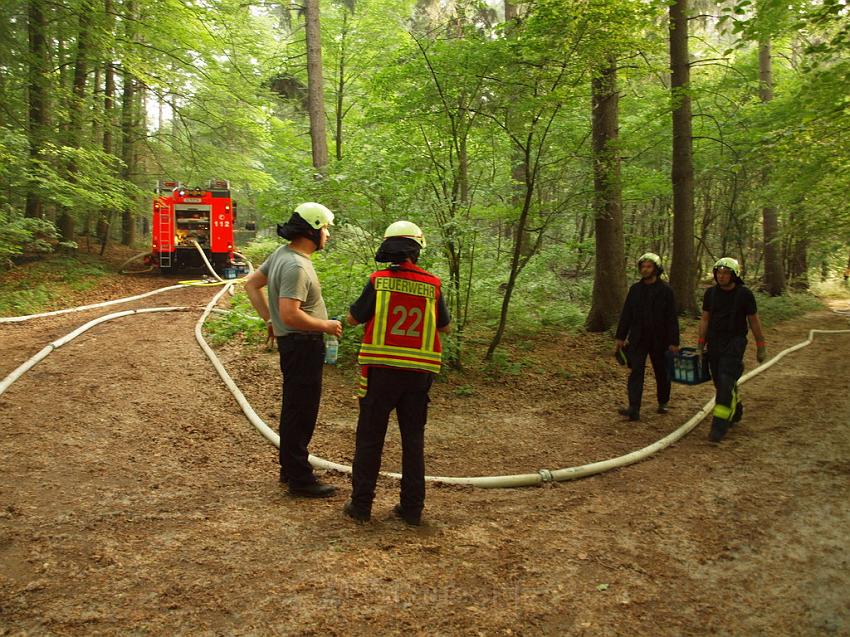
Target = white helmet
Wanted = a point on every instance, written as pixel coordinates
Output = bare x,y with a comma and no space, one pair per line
653,258
730,264
406,230
315,214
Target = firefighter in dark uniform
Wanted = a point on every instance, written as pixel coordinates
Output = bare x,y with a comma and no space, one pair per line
650,323
404,312
727,308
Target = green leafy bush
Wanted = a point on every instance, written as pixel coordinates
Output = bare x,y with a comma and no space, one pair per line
22,234
49,283
242,319
773,309
258,250
27,301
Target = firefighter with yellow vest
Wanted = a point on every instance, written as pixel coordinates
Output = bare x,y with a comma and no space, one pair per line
727,309
404,312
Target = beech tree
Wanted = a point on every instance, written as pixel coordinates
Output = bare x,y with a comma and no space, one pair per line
315,85
682,278
609,284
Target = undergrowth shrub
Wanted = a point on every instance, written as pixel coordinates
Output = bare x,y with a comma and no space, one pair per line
774,309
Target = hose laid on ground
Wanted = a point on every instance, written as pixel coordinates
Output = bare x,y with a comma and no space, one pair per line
33,361
518,480
247,409
130,260
127,299
27,317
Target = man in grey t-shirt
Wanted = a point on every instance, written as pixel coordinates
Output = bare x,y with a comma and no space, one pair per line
296,316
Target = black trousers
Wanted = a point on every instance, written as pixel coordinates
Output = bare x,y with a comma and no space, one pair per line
301,363
406,392
637,360
726,361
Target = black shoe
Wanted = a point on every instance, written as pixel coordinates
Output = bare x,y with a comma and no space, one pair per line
739,413
350,511
663,408
718,431
413,519
632,414
312,490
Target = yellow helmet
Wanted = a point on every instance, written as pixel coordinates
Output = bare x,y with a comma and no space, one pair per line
405,230
315,214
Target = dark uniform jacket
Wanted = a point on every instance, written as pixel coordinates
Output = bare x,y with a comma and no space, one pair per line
649,317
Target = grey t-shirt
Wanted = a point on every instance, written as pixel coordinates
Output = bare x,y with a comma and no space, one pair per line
291,276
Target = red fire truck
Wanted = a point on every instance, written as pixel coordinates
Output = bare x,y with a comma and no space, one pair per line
184,217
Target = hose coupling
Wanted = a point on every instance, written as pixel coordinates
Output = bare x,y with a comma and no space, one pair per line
545,475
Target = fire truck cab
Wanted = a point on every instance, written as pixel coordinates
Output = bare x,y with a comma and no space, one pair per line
186,216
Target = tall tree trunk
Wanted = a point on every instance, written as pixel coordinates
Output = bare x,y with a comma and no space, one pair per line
774,276
315,88
96,123
340,86
67,219
609,287
682,268
108,106
127,155
519,167
39,109
798,252
128,229
105,222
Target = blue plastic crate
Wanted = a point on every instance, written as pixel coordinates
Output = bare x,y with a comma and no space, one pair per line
687,367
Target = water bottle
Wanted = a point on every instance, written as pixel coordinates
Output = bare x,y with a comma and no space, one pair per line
331,348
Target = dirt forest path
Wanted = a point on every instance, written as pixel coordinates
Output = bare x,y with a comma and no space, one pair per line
135,498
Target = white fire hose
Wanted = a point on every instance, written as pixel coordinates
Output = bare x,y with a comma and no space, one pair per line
504,481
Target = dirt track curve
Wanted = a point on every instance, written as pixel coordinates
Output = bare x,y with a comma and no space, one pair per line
135,498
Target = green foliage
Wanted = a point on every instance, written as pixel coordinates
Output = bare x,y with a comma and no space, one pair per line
49,283
242,319
13,236
501,364
438,110
93,186
342,280
774,309
258,250
835,288
21,234
464,391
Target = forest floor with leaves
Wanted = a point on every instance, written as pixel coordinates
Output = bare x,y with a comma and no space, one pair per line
136,498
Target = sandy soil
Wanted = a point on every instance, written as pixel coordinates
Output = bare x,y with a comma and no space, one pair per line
135,498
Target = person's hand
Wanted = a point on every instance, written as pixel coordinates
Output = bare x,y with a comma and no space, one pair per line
761,352
701,347
270,338
333,327
674,348
618,345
